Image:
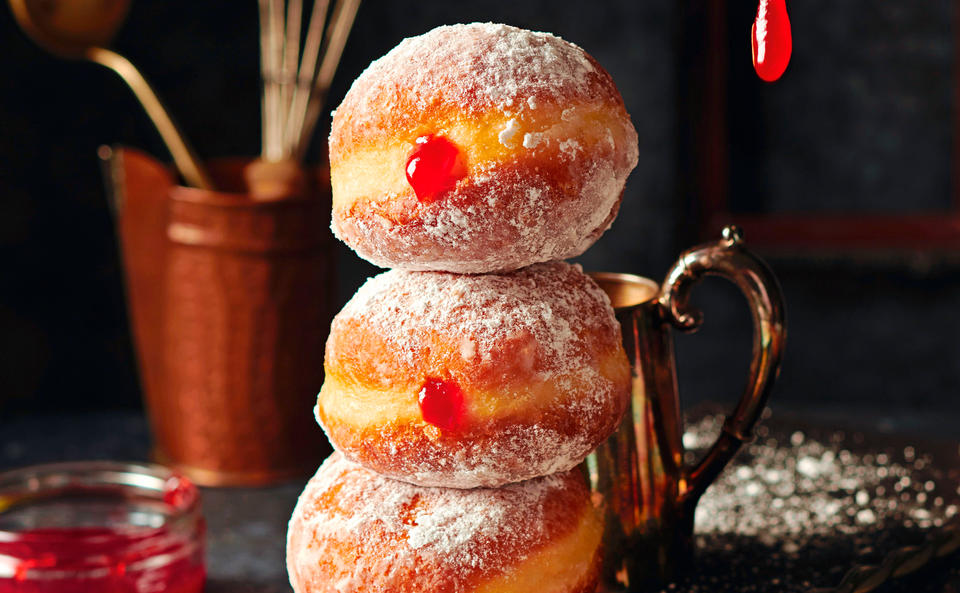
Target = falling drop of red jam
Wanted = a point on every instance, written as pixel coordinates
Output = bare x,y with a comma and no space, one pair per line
771,40
441,403
434,166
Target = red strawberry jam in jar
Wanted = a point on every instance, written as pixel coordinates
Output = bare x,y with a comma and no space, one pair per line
100,527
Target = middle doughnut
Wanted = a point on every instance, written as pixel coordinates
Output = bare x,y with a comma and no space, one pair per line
440,379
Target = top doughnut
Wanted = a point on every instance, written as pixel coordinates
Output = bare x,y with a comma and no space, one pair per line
479,148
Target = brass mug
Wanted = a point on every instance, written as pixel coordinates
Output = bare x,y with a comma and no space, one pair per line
649,494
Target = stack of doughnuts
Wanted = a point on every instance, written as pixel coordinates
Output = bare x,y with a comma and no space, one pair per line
464,386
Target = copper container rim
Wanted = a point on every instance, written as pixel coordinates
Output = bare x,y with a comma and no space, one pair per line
233,193
218,478
626,290
229,199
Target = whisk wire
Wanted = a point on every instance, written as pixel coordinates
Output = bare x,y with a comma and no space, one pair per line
338,30
291,55
294,93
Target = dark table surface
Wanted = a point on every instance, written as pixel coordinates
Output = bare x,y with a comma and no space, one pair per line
247,526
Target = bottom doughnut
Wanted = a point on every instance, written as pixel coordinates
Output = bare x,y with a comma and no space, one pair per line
354,531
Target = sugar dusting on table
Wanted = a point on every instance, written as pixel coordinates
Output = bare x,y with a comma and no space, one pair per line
796,510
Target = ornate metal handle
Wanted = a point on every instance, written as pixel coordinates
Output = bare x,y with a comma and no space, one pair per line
728,258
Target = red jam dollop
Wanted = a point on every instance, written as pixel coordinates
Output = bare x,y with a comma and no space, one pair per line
771,40
441,403
433,167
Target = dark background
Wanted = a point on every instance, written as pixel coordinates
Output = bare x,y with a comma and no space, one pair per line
863,121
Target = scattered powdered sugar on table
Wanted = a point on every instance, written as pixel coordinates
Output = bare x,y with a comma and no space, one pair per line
806,488
797,509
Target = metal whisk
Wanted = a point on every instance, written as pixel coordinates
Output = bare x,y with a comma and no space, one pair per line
294,93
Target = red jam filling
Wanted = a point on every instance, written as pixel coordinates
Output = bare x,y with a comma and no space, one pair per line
433,167
771,40
102,559
441,403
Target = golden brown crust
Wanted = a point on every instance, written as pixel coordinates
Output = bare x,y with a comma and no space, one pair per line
536,353
487,332
534,442
355,531
590,583
540,126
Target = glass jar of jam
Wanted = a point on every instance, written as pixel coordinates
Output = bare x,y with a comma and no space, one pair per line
100,526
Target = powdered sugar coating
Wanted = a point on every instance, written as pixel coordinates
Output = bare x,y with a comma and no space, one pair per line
554,309
503,218
353,530
537,353
550,198
474,68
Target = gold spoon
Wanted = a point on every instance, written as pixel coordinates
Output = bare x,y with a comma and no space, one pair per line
79,29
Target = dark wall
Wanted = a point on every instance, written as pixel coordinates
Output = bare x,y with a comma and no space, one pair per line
63,333
862,120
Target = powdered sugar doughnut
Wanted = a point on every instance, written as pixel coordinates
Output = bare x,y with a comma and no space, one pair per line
356,532
521,141
462,381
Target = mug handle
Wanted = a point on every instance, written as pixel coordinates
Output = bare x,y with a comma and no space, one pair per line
728,258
